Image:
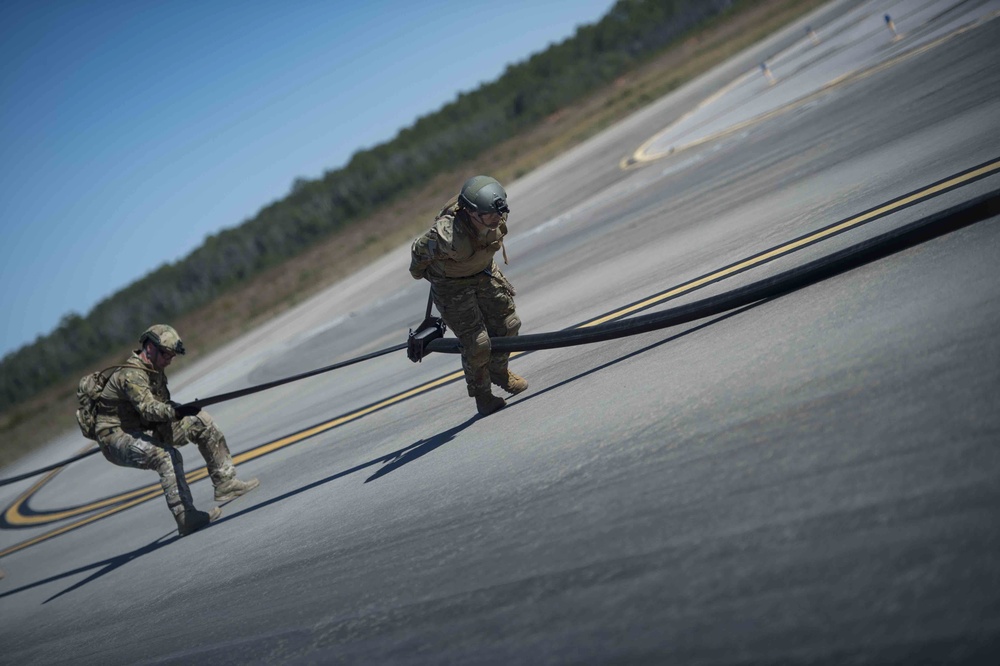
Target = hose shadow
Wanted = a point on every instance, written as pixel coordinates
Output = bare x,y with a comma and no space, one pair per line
105,567
637,352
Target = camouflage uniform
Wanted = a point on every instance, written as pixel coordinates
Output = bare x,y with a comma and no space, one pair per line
136,428
474,298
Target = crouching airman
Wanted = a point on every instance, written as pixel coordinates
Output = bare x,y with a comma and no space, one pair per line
138,425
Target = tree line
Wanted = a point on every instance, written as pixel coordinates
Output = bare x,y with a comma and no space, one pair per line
526,93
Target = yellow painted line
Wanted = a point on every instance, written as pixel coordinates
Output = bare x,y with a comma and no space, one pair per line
789,247
14,517
72,526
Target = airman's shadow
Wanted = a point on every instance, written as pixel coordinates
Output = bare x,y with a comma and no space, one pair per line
392,462
419,449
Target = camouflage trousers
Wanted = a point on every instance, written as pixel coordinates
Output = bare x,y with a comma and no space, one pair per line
477,308
156,450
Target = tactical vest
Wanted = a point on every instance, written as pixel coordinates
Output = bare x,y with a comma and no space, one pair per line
114,408
467,251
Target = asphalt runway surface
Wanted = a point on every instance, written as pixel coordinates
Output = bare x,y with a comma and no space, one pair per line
812,478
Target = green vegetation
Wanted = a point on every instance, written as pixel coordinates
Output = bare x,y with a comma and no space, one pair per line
325,228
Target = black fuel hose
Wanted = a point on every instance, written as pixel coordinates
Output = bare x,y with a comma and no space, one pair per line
222,397
953,218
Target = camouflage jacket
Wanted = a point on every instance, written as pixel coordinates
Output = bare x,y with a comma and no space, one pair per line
454,248
136,397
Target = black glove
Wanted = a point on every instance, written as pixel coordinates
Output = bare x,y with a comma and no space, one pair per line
180,411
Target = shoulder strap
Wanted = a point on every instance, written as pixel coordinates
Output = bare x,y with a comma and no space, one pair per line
113,367
127,365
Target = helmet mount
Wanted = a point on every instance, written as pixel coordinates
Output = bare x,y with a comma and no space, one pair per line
164,337
483,195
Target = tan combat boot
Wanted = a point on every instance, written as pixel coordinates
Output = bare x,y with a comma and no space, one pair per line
487,403
513,384
233,488
193,520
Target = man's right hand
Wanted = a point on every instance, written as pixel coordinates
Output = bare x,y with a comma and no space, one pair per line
181,411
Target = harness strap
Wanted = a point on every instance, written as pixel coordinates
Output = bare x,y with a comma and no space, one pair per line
108,404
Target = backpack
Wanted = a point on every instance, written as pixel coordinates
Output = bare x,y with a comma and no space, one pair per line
88,392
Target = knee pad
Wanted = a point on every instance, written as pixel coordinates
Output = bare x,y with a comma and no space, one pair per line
512,324
479,350
198,427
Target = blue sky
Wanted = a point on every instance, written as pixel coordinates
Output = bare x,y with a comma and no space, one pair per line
132,129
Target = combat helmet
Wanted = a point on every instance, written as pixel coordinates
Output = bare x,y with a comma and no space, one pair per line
163,336
482,194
